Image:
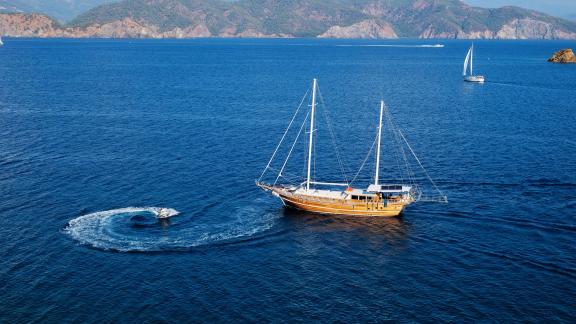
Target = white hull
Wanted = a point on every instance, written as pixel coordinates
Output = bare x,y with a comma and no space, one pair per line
474,78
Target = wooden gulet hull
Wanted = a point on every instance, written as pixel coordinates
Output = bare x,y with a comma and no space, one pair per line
333,206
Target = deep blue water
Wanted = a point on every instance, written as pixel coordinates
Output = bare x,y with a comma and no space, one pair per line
98,125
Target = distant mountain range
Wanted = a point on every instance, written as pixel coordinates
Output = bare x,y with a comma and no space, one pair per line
62,10
293,18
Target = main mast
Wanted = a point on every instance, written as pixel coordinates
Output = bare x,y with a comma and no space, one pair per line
311,143
376,178
472,60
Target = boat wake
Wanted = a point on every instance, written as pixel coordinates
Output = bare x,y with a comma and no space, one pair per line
529,86
394,45
145,229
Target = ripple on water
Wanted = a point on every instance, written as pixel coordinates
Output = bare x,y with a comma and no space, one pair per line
138,229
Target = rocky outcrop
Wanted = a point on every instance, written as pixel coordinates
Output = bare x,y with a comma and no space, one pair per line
35,25
232,32
529,28
29,25
432,32
125,28
563,56
364,29
128,28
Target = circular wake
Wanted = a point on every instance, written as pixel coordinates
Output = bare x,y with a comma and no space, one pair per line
150,229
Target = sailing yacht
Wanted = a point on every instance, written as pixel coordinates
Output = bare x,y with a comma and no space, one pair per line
470,61
1,42
377,199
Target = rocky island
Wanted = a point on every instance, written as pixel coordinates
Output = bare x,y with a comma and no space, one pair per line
563,56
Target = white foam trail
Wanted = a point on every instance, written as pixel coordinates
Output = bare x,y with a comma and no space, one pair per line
108,230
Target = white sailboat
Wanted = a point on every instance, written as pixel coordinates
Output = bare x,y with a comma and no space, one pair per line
1,42
470,61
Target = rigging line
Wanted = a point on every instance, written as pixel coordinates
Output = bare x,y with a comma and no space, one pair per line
410,173
284,136
287,175
290,178
420,163
395,130
292,148
408,167
404,168
290,181
396,149
343,166
364,162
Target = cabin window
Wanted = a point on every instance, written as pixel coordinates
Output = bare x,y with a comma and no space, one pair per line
361,198
399,188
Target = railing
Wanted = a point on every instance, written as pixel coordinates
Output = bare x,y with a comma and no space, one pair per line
330,184
345,202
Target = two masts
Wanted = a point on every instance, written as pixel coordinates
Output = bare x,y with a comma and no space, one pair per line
378,199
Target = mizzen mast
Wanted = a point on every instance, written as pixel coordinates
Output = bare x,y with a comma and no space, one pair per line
311,143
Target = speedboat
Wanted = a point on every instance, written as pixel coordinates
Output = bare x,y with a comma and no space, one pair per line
163,213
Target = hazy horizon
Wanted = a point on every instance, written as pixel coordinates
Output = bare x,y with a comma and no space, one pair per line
560,8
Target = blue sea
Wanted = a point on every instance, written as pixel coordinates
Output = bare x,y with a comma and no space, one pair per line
93,131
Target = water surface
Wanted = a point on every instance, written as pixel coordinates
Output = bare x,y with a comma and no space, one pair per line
99,125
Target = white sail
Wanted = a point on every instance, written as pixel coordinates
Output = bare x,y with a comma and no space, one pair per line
466,61
1,43
472,60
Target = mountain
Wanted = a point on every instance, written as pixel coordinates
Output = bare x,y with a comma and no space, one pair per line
310,18
30,25
62,10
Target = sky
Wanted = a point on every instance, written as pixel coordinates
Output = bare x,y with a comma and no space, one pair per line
561,8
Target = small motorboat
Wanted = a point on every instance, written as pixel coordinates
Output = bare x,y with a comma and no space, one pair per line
163,213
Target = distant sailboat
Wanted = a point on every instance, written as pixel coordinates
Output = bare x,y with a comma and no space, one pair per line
470,61
1,42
